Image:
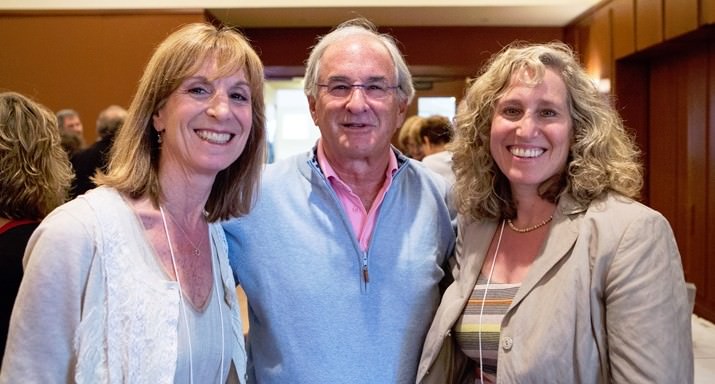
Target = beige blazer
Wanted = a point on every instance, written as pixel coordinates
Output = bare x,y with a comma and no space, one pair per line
604,302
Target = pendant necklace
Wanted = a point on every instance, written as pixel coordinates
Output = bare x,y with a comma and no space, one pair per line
197,249
182,303
484,298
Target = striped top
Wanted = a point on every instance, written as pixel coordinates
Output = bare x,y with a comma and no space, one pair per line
467,328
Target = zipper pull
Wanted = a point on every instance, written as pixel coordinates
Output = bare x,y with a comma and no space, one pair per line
365,274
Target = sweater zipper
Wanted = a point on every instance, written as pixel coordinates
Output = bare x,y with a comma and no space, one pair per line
365,273
365,270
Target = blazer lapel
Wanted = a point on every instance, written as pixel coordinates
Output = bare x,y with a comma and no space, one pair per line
477,236
560,240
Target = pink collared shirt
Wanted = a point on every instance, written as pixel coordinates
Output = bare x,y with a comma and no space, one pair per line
362,221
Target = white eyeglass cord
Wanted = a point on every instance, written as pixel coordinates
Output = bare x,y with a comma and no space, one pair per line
181,296
217,276
484,298
183,306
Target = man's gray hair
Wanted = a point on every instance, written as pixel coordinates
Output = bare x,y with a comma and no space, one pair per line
62,115
353,27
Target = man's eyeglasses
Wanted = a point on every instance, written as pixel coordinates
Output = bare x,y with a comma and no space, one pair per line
375,90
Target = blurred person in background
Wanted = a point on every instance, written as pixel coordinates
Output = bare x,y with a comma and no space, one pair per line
71,131
436,132
34,178
96,157
409,137
68,121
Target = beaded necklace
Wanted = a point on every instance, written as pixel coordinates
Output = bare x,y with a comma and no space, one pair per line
529,229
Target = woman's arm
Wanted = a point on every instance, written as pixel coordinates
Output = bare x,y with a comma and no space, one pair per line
49,302
648,318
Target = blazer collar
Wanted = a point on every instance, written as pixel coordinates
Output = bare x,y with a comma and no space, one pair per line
479,235
561,238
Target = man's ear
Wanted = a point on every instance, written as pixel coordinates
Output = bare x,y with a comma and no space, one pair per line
402,108
401,114
311,106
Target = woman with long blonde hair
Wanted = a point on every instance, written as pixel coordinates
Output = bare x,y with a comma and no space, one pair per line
130,282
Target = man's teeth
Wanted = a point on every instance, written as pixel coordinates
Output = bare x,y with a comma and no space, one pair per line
526,152
214,137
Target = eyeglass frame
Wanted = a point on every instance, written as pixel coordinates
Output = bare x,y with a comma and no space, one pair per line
352,87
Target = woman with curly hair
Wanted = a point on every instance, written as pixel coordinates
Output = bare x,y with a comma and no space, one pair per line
34,179
561,275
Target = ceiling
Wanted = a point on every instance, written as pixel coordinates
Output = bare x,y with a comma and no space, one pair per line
320,13
514,15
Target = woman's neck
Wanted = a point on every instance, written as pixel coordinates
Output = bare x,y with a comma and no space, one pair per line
531,210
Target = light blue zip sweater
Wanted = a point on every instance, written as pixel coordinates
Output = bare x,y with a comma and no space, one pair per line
313,318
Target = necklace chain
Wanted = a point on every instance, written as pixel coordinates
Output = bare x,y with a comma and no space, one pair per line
529,229
182,304
197,249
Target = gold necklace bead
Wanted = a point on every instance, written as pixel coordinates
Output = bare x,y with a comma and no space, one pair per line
529,229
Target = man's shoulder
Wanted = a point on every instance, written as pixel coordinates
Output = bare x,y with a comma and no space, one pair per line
281,169
417,172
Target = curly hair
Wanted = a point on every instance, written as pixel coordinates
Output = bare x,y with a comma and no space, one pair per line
134,159
603,155
36,174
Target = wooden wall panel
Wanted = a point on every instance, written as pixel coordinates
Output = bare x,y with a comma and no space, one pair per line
577,36
707,12
85,62
665,147
632,102
694,74
680,16
680,161
599,57
649,23
705,300
623,34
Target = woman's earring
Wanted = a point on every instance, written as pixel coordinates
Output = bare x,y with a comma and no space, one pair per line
158,136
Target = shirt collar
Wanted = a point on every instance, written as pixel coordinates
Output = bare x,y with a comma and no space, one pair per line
330,173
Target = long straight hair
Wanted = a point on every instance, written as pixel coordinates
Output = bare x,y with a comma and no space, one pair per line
134,160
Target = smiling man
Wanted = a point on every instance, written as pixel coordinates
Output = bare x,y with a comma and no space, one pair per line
342,255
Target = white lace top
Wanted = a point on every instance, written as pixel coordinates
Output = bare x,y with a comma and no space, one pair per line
92,310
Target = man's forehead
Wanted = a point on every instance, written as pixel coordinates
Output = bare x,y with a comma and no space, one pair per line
359,57
358,45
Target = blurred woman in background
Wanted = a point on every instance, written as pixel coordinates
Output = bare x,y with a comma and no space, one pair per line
34,179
